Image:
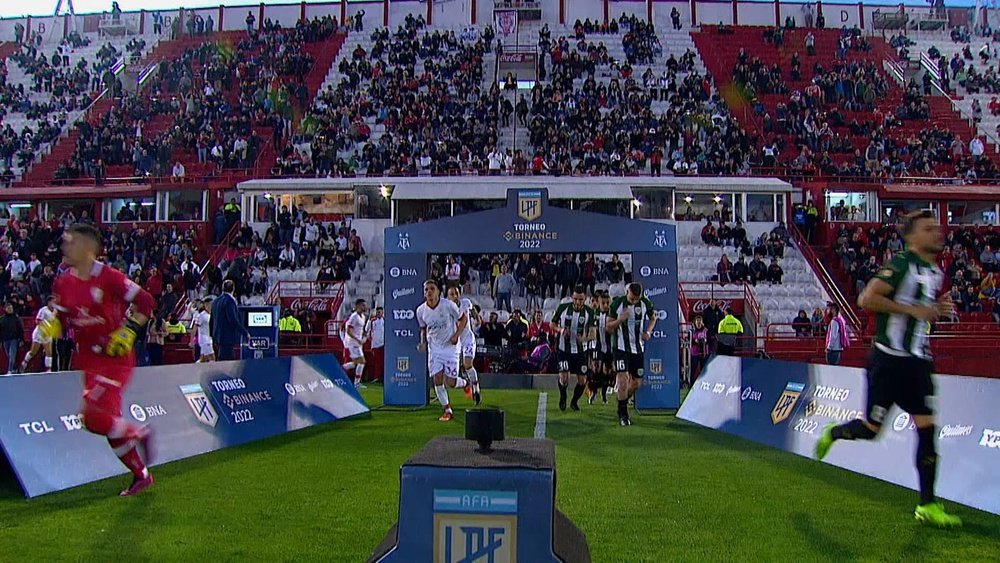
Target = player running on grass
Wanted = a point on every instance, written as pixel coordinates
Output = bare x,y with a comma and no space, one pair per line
92,298
441,327
628,314
575,326
40,342
903,297
602,348
354,341
467,343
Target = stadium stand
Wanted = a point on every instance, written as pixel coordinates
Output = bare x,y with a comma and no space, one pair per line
837,113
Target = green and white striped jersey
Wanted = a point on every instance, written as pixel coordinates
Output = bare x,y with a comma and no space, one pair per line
605,342
914,282
629,334
577,322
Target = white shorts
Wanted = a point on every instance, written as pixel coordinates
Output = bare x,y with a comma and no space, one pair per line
354,352
446,362
206,347
38,338
468,347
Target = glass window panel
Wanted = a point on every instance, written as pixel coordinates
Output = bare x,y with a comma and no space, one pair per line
760,208
972,213
265,209
132,209
80,210
698,207
846,206
654,203
463,206
416,211
893,211
614,207
326,207
186,205
371,203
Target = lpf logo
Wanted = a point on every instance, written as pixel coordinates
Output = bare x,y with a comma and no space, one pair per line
475,526
529,205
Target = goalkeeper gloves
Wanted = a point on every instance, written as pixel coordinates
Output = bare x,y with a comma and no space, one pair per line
121,341
51,328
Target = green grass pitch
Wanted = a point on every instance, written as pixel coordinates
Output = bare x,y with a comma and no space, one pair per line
662,490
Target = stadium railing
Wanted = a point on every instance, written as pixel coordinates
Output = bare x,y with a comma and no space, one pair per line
856,324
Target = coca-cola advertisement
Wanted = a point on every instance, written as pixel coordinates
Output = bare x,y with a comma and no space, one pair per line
317,304
698,306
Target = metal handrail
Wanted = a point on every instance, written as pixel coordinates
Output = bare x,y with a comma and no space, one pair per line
827,280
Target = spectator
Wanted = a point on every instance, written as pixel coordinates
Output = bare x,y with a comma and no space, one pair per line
700,349
503,287
492,332
837,337
11,335
729,332
516,330
802,325
774,272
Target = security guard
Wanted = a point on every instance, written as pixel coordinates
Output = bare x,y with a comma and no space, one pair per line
730,328
289,323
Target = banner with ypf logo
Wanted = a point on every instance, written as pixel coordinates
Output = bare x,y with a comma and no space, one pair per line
192,409
787,404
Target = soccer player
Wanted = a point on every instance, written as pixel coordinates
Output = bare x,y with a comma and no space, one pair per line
626,318
354,341
903,297
603,348
467,343
575,325
202,321
39,341
92,297
441,327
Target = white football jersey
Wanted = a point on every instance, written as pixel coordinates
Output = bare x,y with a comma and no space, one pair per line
356,324
465,308
202,320
44,315
440,323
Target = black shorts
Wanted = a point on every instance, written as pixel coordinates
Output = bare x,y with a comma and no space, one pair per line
576,364
900,380
627,362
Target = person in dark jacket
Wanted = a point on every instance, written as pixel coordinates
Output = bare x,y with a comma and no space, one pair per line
226,326
549,272
11,334
492,332
569,275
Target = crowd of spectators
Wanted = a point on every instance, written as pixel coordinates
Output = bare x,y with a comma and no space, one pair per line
970,261
612,128
217,95
424,88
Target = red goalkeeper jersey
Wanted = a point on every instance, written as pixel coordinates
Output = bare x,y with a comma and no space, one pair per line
96,307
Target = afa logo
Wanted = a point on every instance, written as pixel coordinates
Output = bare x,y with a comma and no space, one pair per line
786,402
200,404
475,526
529,205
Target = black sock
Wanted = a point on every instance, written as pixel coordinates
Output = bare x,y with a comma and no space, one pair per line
622,408
853,430
926,463
604,393
562,393
578,392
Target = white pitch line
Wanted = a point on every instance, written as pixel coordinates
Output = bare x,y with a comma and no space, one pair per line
540,416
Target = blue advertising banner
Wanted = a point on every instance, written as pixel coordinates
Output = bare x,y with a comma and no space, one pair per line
528,224
786,405
193,409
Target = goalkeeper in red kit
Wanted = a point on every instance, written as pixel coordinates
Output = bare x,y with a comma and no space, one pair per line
93,299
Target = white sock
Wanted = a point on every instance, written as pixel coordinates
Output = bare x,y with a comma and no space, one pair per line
348,366
473,378
442,395
48,363
359,370
460,383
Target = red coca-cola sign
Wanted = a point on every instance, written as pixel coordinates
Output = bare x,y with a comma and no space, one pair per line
698,306
318,304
